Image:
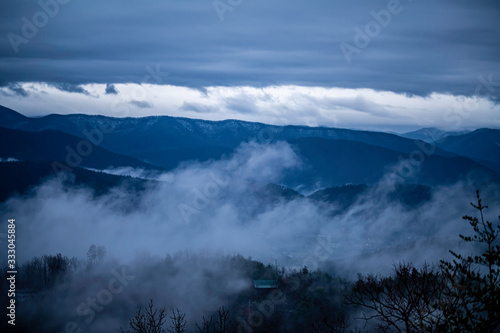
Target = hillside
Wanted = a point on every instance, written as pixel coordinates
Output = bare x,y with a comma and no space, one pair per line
151,139
18,178
49,145
482,145
336,162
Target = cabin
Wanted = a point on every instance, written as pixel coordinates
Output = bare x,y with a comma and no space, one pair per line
265,284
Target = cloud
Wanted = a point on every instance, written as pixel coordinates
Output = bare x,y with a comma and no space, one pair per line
14,89
142,104
197,107
111,89
8,159
71,88
365,109
241,104
18,90
419,52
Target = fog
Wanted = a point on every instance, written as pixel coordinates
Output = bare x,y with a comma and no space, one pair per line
223,206
203,214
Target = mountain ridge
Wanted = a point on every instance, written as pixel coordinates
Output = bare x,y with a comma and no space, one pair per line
50,145
332,156
144,137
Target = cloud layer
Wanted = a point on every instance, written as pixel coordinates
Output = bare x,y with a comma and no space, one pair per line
277,105
422,47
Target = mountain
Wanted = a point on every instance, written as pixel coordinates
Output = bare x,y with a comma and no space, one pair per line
343,197
24,175
430,134
329,163
167,141
329,156
48,145
11,118
482,145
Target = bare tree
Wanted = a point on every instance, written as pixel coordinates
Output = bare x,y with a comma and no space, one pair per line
178,322
330,324
150,320
205,326
223,322
404,302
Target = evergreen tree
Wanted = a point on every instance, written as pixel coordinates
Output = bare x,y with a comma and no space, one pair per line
472,302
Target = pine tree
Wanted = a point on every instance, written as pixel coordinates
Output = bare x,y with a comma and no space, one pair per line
472,302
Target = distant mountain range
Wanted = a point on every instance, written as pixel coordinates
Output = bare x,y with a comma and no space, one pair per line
482,145
330,156
165,141
431,134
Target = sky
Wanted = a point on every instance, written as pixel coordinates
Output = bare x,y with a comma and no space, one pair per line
384,65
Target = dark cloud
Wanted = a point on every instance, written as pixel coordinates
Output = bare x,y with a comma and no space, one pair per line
111,89
241,104
142,104
72,88
14,89
428,46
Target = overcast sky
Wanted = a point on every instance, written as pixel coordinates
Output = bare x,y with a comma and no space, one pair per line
390,65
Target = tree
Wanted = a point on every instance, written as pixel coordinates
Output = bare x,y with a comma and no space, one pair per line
473,293
327,324
178,322
57,267
403,302
150,320
205,326
101,253
96,254
222,324
92,254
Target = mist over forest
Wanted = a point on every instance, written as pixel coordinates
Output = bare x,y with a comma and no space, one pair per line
228,206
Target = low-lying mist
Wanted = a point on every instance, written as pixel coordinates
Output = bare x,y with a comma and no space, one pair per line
176,241
222,207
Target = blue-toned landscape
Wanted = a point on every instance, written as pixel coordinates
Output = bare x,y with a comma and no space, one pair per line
249,166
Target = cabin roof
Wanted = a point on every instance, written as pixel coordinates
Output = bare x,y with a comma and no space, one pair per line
265,284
